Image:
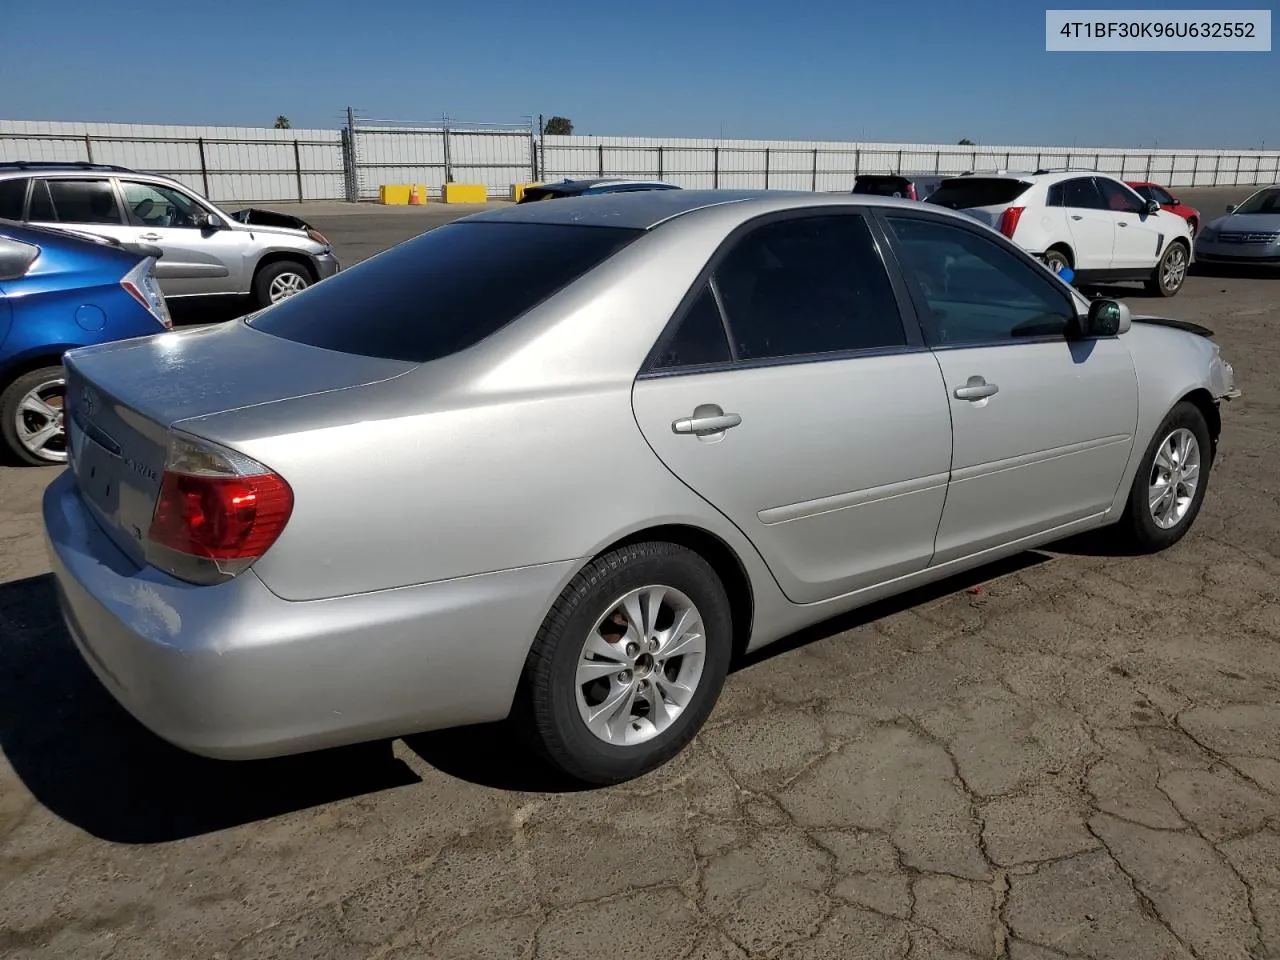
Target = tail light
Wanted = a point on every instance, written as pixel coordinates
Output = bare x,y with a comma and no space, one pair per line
217,512
1009,220
140,282
911,192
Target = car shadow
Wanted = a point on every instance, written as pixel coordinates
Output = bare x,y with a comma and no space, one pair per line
198,311
82,756
90,763
1236,271
489,755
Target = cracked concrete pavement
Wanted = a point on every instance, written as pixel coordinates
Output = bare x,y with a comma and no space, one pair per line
1071,755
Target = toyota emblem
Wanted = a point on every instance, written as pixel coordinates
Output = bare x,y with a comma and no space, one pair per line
87,403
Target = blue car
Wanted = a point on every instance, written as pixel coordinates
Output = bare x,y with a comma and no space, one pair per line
60,290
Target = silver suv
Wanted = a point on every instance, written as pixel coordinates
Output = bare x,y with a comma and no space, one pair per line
205,250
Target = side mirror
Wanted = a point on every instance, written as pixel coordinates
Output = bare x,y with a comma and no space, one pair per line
1107,318
1231,208
1153,206
1175,201
209,221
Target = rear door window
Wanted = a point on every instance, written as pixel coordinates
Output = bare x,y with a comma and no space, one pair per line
13,196
443,291
966,193
84,201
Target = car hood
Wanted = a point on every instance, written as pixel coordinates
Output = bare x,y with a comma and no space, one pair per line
256,217
1248,222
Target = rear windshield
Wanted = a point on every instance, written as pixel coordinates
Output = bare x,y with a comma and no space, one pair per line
443,291
880,186
964,193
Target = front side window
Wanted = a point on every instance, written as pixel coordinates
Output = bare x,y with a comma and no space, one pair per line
976,290
1119,198
148,205
1158,194
443,291
83,201
810,285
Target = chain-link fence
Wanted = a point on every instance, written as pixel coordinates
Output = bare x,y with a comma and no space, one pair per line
354,162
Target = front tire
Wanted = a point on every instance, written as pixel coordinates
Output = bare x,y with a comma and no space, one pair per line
32,412
1170,272
1170,484
279,281
628,664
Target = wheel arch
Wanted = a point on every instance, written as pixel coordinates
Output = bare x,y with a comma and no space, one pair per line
1203,400
1065,249
285,256
724,560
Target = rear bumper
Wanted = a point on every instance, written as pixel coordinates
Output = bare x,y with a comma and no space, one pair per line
234,672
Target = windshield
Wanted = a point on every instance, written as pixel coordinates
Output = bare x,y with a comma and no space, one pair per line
1264,201
966,193
443,291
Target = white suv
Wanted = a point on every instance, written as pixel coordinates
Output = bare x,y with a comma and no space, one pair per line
1089,222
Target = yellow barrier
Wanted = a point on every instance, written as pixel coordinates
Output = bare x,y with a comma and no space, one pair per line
465,193
397,194
518,189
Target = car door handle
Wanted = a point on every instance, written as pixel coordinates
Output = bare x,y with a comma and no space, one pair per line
702,423
976,389
1076,216
1123,223
149,236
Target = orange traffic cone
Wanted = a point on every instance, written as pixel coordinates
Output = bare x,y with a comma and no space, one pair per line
415,198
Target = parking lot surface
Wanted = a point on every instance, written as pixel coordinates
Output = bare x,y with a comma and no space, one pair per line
1069,755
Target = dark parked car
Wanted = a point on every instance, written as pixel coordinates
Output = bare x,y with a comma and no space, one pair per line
591,188
912,186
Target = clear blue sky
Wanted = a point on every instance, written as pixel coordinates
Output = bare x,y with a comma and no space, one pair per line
909,70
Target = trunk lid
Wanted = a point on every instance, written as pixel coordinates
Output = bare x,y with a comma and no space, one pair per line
123,398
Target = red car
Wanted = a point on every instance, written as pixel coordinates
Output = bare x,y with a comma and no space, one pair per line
1167,201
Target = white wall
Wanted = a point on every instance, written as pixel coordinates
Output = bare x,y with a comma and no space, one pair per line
255,164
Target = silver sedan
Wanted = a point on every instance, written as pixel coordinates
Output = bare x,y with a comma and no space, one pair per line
563,462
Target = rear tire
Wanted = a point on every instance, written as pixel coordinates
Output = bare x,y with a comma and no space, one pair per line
30,405
1170,272
1181,443
1056,260
591,654
280,280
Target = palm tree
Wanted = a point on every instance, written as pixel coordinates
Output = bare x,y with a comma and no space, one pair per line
282,122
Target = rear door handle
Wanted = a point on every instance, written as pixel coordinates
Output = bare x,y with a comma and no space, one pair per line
976,389
707,419
1076,216
1123,223
149,236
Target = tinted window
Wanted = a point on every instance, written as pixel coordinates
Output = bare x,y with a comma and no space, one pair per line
882,186
807,286
976,290
13,194
964,193
1080,193
156,206
443,291
1118,197
41,207
1158,194
84,201
700,337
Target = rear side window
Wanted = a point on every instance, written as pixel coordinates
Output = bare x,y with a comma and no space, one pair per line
805,286
13,194
41,206
700,338
84,201
965,193
443,291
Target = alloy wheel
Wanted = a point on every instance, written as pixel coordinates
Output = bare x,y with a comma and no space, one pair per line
640,665
286,285
39,421
1175,477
